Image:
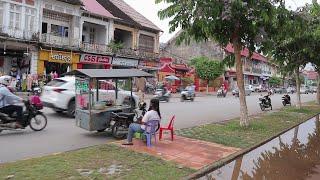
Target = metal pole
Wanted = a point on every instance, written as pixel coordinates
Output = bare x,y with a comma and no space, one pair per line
97,89
131,86
116,89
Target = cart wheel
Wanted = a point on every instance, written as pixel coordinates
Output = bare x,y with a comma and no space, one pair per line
262,107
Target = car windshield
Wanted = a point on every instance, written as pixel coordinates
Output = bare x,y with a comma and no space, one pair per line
56,82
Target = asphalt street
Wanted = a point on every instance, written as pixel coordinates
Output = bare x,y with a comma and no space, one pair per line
62,135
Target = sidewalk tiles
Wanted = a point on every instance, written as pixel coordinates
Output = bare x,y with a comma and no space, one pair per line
187,152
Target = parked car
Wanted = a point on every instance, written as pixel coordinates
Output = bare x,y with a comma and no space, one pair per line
59,94
280,90
235,91
313,89
291,90
250,87
304,90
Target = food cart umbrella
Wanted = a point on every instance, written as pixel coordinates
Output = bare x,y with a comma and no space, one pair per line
109,74
172,78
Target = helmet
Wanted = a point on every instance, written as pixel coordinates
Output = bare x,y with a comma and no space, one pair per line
5,80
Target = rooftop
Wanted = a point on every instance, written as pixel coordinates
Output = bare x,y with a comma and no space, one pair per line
122,10
93,7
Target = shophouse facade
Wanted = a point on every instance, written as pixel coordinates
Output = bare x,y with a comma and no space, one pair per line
138,36
59,38
19,34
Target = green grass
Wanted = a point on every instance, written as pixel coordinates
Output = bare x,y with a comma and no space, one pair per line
66,165
261,127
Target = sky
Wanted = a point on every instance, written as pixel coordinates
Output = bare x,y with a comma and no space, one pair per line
149,9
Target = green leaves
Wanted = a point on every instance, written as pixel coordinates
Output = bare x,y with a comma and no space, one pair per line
207,69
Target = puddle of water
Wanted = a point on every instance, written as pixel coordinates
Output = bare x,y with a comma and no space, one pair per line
292,155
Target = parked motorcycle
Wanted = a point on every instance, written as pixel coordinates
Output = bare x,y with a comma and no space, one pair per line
221,93
32,117
265,102
286,99
120,123
162,96
187,95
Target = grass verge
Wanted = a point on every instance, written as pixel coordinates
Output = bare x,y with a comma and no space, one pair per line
261,127
99,162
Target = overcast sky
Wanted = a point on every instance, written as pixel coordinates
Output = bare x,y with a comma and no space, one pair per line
149,9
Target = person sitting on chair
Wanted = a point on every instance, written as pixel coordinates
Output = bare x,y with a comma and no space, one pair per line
152,114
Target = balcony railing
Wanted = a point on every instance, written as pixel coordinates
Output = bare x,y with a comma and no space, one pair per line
19,33
95,48
58,40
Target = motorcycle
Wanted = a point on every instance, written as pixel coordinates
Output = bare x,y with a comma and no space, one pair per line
221,93
187,95
265,102
162,97
286,99
32,117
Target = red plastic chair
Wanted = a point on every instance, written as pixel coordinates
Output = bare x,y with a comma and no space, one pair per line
169,128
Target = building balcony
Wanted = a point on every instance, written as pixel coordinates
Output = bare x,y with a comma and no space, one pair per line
19,33
140,54
95,48
58,40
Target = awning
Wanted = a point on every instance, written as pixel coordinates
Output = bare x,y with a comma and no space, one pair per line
108,73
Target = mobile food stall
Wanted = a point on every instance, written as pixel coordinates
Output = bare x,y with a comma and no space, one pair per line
94,109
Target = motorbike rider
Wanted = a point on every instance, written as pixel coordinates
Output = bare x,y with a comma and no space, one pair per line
7,100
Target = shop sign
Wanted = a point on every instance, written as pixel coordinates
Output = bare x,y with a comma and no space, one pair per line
61,57
125,62
149,64
95,59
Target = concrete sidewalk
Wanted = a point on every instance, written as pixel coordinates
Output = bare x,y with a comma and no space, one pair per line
186,152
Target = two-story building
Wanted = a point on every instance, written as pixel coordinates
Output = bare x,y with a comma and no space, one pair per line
19,35
59,37
96,34
256,69
138,36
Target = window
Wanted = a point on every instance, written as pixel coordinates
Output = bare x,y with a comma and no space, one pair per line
92,35
1,15
146,43
59,30
15,16
29,19
44,28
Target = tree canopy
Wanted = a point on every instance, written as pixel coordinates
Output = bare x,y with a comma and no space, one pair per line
207,69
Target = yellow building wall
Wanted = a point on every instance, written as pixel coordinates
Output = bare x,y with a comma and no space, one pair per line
57,57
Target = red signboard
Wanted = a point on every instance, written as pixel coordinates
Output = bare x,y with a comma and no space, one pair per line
95,59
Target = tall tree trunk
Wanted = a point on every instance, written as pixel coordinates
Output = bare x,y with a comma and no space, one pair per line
318,88
298,85
244,120
208,87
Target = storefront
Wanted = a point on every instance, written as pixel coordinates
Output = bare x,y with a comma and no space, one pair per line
58,62
151,67
124,63
91,61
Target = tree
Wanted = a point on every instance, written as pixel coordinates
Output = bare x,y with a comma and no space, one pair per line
207,69
289,42
274,81
239,22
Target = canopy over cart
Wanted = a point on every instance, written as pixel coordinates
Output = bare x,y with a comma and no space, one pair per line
93,105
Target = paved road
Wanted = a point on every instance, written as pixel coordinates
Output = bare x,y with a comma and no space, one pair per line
61,133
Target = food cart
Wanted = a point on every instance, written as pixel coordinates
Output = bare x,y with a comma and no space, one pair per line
93,113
